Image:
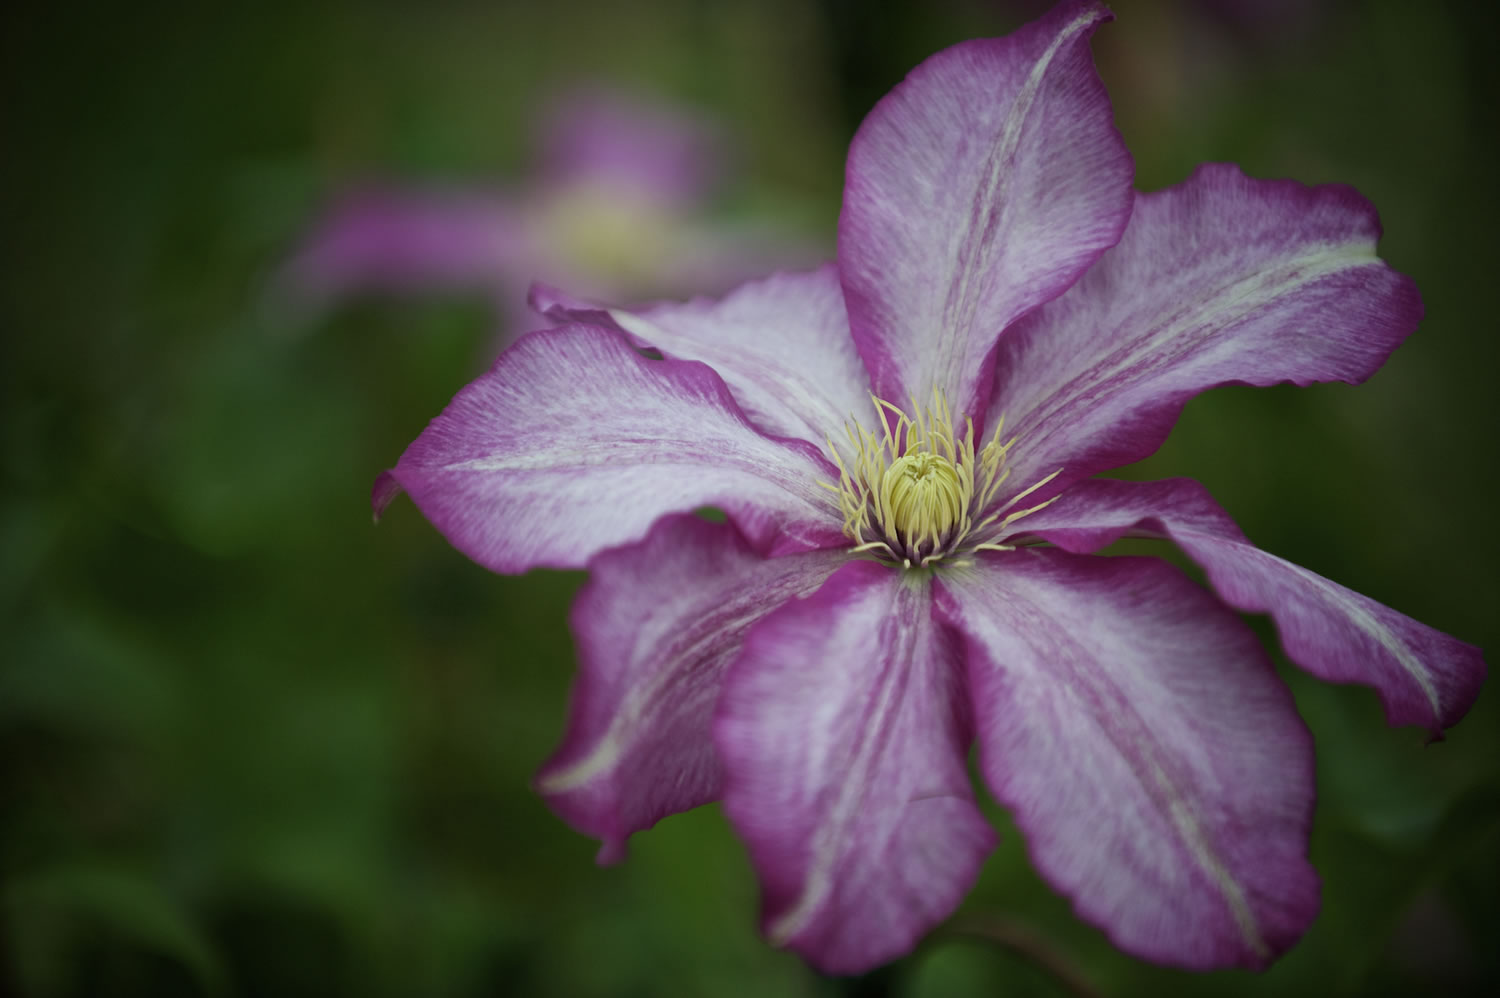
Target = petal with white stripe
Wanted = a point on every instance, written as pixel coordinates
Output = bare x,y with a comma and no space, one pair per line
1149,753
573,442
981,186
1422,675
1219,280
843,731
657,625
781,344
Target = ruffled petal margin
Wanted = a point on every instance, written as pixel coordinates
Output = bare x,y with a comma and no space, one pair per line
1220,280
1422,675
843,730
657,625
573,442
978,188
781,344
1149,753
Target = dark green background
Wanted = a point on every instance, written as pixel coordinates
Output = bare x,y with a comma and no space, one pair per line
252,745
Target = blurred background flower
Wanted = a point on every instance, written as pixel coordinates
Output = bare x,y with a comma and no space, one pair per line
253,746
620,207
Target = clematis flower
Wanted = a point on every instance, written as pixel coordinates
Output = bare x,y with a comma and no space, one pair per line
904,444
616,205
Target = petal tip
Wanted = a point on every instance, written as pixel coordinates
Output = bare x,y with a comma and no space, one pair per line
383,493
1466,684
545,300
612,852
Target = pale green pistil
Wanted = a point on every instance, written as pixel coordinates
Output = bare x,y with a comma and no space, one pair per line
925,498
918,492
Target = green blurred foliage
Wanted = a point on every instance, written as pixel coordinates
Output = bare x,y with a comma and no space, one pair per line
253,746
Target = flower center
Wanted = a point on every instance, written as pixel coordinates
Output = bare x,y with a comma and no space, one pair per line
924,496
917,493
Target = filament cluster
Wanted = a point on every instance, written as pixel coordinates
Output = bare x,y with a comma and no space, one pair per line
916,493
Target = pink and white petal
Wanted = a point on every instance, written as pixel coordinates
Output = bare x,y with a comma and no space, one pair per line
394,240
1147,749
573,442
781,344
657,625
978,188
639,147
1220,280
1422,675
843,731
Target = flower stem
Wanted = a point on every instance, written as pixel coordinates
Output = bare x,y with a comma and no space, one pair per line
1027,944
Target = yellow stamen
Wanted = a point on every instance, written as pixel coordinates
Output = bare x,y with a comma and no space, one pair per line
925,497
911,493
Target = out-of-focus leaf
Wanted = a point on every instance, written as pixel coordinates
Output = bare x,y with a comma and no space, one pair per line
50,911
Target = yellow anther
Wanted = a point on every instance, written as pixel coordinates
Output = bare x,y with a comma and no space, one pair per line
912,492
